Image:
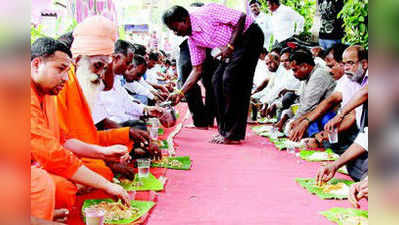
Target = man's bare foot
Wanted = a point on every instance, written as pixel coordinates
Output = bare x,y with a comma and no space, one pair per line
224,141
216,136
61,215
192,126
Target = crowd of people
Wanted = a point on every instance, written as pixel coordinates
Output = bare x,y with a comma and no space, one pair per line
92,96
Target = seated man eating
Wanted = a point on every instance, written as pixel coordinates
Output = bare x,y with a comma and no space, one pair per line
50,61
92,49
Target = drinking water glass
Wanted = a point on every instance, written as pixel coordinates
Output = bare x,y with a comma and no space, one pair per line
94,216
154,133
333,136
143,166
290,148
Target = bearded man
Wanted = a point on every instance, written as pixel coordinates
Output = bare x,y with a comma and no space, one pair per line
92,49
50,61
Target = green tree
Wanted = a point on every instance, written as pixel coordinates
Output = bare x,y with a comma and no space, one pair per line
36,32
355,17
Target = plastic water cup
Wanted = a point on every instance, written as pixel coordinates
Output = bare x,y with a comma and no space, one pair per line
274,132
154,133
94,216
154,123
333,137
143,166
291,149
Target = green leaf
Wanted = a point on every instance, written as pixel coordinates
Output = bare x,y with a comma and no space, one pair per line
334,214
310,185
149,183
261,128
143,206
163,144
362,28
306,155
185,160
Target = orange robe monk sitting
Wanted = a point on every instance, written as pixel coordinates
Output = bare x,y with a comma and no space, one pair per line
47,150
75,120
50,61
92,49
42,194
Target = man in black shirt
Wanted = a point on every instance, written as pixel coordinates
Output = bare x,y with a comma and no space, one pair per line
331,30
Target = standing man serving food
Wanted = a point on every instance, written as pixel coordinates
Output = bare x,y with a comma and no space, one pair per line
241,40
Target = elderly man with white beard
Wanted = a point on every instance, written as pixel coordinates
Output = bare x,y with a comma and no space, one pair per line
92,49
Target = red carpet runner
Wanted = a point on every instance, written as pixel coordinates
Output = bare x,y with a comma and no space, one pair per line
250,184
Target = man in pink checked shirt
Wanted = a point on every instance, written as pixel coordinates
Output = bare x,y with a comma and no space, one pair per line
241,41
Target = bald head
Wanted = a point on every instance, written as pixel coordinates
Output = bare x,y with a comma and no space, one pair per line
272,62
355,59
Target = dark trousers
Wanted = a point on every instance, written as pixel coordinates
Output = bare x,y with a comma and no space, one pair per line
288,100
232,82
203,114
345,140
358,168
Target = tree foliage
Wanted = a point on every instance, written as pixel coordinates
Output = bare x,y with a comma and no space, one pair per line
37,31
355,16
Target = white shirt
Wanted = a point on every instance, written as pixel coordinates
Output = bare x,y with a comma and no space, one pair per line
261,73
363,139
290,82
146,84
348,89
283,22
137,88
119,105
263,21
265,92
152,75
98,113
285,79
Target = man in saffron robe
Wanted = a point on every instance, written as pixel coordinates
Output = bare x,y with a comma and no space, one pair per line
50,61
92,50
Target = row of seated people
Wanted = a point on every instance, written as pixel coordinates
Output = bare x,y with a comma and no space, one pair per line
314,93
91,98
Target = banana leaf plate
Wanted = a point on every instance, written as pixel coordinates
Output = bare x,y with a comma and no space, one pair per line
167,162
142,206
310,185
